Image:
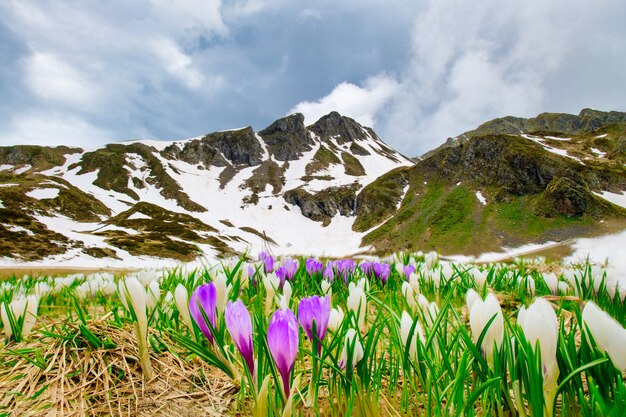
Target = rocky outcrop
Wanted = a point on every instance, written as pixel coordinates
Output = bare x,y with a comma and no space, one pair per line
341,128
287,138
324,205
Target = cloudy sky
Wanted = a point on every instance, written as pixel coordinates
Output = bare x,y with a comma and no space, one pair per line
91,72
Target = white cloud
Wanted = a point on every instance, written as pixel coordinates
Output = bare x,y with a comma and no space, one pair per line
177,63
54,129
50,78
360,103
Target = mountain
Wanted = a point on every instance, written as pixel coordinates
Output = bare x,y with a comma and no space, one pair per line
333,188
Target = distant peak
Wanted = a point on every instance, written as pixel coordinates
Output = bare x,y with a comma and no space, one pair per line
288,124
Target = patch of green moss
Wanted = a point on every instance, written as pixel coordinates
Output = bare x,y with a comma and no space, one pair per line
41,158
379,199
322,159
352,165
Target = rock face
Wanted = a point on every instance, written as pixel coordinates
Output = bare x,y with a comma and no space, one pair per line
324,205
287,138
336,126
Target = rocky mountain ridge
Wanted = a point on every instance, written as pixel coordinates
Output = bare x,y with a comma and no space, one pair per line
333,188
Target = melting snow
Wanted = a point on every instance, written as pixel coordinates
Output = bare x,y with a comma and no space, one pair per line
598,152
9,185
618,199
480,198
22,169
4,167
548,148
138,215
19,229
555,138
601,136
43,193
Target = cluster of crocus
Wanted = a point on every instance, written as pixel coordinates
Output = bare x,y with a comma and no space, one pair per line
485,314
344,268
377,270
20,311
287,270
313,266
608,334
134,298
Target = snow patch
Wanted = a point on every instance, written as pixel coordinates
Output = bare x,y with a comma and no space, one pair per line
18,229
555,138
43,193
5,167
138,215
9,184
480,198
617,199
598,152
600,249
22,169
560,152
601,136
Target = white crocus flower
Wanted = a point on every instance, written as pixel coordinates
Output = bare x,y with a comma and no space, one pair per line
153,293
351,340
181,296
20,307
133,295
414,281
540,326
357,304
335,318
409,295
327,288
283,300
480,314
406,323
222,291
608,334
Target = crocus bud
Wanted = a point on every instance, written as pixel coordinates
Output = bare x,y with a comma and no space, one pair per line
540,326
182,303
352,342
357,304
239,326
608,334
480,314
316,310
153,293
221,290
204,299
335,318
406,323
282,339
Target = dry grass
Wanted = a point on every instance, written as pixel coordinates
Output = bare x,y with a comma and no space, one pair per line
74,379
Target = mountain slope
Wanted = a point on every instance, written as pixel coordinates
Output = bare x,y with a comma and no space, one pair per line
290,187
491,189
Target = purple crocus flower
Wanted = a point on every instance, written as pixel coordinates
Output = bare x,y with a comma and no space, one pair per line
345,268
239,326
408,270
291,267
282,339
281,273
313,266
329,274
269,265
367,268
381,271
314,309
204,298
251,274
